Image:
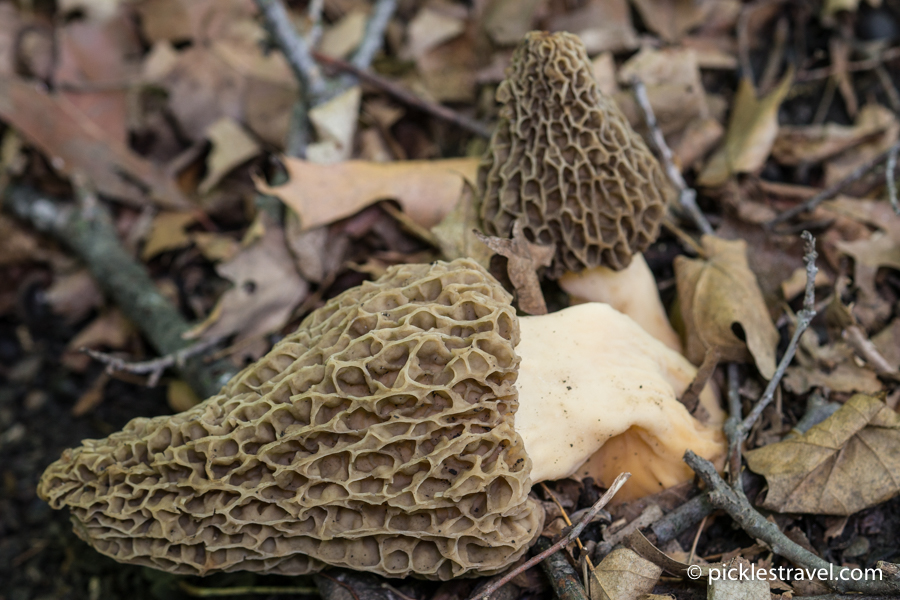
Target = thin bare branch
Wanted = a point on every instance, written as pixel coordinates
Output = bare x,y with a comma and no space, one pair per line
153,368
686,196
563,542
295,48
835,189
733,501
372,40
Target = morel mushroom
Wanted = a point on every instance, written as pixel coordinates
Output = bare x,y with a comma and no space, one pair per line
565,162
383,435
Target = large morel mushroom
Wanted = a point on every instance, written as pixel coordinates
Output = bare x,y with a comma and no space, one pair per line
379,436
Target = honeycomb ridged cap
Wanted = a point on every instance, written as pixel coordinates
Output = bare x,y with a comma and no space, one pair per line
565,161
379,436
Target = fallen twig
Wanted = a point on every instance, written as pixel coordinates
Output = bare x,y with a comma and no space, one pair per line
89,231
565,517
295,48
375,29
736,430
857,339
686,196
733,501
154,368
861,65
561,574
681,519
834,189
562,542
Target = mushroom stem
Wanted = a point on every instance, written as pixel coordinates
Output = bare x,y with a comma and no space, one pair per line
631,291
591,377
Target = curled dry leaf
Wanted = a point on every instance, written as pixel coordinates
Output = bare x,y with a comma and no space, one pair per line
839,167
168,232
672,19
845,464
75,144
9,33
455,234
266,290
601,24
73,296
321,194
751,132
674,88
231,146
623,575
111,330
335,124
524,258
814,143
723,307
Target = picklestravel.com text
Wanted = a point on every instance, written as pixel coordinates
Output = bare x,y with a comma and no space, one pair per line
741,572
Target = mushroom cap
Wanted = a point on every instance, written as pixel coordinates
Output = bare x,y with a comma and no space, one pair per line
565,161
378,436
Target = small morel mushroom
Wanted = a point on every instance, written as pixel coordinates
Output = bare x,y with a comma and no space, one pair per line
383,435
565,162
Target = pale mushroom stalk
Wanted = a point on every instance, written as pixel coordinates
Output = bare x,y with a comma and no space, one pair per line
564,162
613,389
632,291
389,434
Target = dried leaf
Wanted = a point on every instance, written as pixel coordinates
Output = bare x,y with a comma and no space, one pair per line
729,585
507,21
75,144
74,295
215,246
335,124
880,250
92,397
426,190
318,254
671,19
622,575
96,52
266,290
603,25
814,143
720,298
168,233
231,146
9,31
845,464
456,232
449,70
431,28
846,377
110,331
343,37
842,165
831,365
18,245
751,133
674,88
524,258
93,10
